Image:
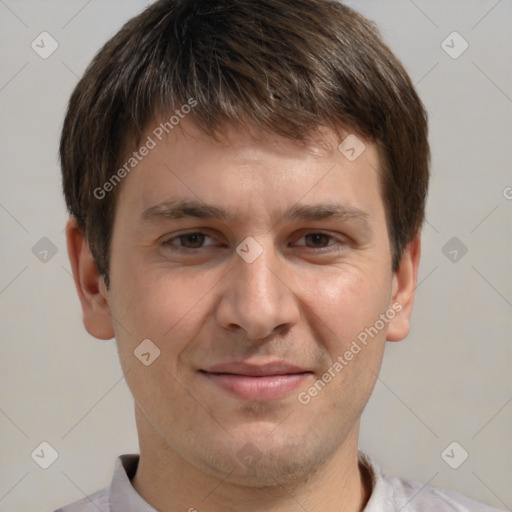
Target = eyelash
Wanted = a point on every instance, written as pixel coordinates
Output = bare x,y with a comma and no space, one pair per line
169,243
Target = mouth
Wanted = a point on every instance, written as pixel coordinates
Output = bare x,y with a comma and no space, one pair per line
256,382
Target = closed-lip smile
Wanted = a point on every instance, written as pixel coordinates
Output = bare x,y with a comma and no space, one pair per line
256,382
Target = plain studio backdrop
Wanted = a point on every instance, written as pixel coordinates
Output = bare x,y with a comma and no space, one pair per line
444,393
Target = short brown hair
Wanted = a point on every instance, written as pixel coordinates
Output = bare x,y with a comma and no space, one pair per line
281,66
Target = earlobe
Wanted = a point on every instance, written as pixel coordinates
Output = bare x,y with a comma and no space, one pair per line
89,284
403,290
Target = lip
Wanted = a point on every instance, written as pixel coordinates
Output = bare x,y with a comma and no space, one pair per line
257,382
256,370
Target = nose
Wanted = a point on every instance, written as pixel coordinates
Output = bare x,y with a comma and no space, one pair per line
257,298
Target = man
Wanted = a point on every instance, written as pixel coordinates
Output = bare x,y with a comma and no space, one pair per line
246,181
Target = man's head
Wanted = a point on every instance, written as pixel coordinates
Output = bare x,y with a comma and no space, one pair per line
283,67
239,238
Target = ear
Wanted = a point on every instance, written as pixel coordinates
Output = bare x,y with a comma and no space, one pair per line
89,284
403,290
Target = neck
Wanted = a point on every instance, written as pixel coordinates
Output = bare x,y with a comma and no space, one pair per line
169,483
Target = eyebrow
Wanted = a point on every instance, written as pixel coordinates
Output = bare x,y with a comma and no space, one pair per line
179,209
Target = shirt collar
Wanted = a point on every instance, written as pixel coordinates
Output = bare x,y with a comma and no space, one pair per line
380,496
124,498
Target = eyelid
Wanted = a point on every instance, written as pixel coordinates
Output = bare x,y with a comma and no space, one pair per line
168,241
303,233
306,232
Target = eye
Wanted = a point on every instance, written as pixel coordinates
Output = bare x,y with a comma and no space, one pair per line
316,240
194,240
197,240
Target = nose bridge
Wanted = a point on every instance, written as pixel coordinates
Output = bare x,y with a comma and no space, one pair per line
256,298
257,269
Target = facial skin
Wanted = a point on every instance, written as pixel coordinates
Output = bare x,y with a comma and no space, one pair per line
302,301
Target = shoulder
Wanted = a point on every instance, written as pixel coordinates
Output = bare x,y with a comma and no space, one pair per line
412,496
391,493
96,502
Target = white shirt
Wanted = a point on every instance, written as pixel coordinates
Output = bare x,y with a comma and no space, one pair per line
389,494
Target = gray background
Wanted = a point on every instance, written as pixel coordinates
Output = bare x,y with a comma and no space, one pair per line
449,381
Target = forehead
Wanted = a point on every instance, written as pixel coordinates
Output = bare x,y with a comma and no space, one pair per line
249,166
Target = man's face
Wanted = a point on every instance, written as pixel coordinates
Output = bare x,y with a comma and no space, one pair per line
289,301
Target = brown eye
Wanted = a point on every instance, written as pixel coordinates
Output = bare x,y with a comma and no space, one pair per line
193,240
317,239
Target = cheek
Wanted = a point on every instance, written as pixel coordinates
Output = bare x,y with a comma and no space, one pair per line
344,303
162,304
346,309
351,304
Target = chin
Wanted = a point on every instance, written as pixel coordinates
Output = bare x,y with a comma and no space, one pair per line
262,462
